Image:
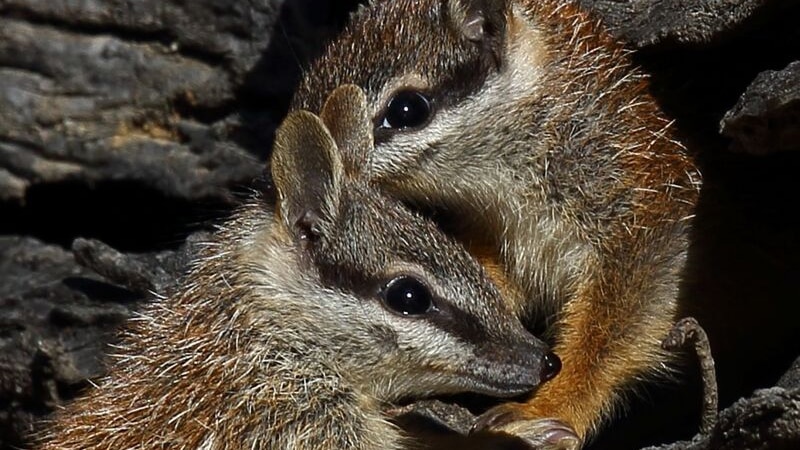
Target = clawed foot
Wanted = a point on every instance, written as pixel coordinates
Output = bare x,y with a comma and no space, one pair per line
540,434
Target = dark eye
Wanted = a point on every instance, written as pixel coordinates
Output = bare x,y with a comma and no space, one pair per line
407,109
407,295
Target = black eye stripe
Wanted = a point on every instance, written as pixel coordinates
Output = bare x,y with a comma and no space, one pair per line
461,324
448,317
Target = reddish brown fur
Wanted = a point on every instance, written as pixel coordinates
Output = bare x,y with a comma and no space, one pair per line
149,387
607,169
287,334
602,326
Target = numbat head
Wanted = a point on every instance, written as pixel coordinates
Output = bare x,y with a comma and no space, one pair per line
298,325
520,116
522,125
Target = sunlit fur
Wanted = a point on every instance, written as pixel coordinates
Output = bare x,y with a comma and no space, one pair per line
546,149
258,349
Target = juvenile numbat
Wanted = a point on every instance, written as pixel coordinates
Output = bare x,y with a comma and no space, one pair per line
521,126
301,323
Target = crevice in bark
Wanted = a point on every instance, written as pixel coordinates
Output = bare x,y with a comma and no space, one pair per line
127,215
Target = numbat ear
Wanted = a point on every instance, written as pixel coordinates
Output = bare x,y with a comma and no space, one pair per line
307,172
481,21
346,115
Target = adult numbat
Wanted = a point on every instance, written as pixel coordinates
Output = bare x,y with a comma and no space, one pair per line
299,324
523,128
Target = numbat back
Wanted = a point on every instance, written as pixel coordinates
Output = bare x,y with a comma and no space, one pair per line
298,326
521,125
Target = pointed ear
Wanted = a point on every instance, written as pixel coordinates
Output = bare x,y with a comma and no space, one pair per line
307,173
481,21
346,115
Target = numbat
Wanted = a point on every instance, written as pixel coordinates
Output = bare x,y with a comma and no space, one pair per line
521,126
300,324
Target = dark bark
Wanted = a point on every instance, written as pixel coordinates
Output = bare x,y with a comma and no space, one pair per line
767,116
139,122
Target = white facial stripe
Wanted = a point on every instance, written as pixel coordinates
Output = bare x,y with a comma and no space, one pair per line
522,74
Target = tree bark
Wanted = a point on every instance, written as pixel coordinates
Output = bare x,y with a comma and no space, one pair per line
140,122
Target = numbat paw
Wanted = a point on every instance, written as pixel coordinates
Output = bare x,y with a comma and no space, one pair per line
540,433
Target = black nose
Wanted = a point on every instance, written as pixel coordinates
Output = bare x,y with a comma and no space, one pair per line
551,365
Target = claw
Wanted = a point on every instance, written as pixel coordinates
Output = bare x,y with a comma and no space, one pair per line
539,433
496,418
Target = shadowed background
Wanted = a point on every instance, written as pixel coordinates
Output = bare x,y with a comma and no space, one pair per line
141,122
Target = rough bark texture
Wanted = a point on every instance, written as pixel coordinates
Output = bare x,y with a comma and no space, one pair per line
767,116
139,122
